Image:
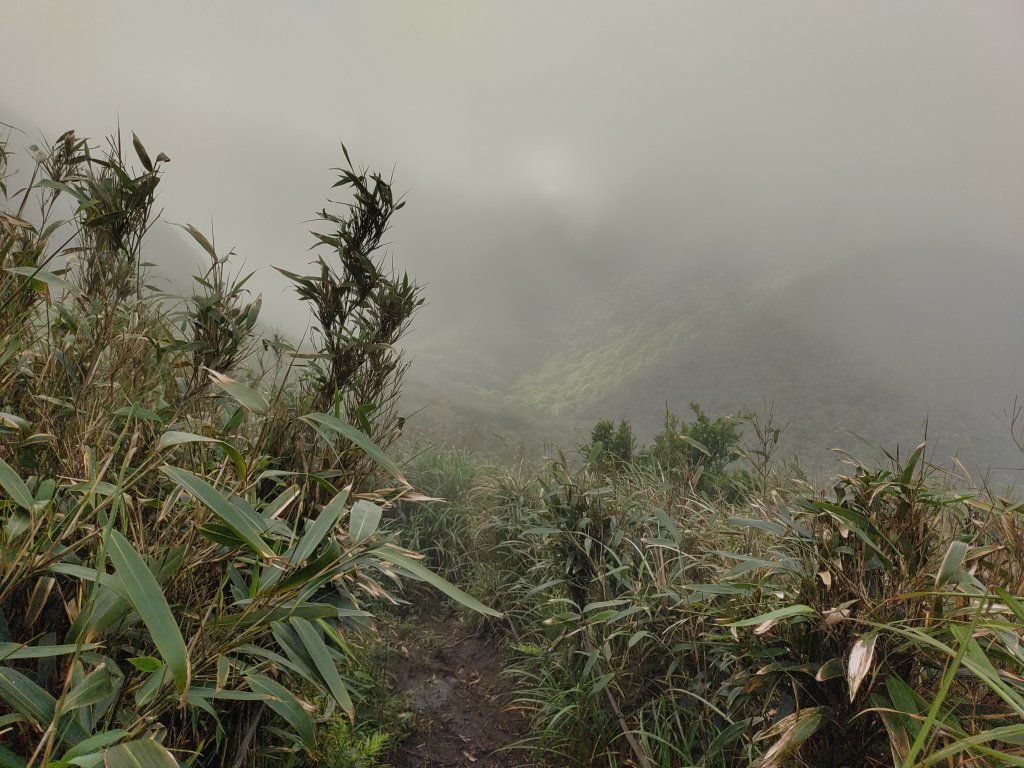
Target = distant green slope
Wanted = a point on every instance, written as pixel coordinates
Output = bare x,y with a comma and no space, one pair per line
870,347
641,324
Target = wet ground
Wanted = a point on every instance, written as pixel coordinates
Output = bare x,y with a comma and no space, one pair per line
463,713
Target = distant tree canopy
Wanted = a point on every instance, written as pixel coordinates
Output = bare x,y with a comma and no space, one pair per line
705,442
702,449
610,443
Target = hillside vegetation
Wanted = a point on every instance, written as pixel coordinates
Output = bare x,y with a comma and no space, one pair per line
191,543
867,348
667,606
215,550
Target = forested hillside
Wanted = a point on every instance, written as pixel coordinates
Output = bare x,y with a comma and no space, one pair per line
869,346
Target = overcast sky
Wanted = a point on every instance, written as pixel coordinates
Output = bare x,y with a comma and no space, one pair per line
540,135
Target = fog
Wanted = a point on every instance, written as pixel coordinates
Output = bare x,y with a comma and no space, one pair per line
550,152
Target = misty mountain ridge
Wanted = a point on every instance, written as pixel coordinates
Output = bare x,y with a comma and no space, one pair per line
867,345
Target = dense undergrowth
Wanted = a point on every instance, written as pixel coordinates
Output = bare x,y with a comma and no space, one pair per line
668,609
191,543
200,523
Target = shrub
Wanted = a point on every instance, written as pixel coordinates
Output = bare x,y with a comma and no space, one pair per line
879,627
698,454
173,580
362,310
610,444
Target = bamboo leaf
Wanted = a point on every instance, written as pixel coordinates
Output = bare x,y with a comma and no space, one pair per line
830,669
952,564
14,221
94,744
363,520
142,153
285,704
908,470
861,655
24,696
94,687
325,666
15,487
246,396
141,753
320,528
1011,734
137,412
252,618
200,238
361,440
14,422
1012,603
417,571
12,651
47,278
61,187
795,729
148,600
147,664
173,438
248,530
777,615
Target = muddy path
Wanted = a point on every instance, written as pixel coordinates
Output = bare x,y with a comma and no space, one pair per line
461,703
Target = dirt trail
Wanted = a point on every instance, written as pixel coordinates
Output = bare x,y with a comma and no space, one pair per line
452,677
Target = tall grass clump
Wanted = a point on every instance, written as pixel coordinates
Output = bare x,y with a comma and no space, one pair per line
190,514
442,528
661,623
470,525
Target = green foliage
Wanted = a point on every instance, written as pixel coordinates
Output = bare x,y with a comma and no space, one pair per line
442,528
220,321
180,578
187,572
362,310
698,453
704,443
344,748
654,626
610,444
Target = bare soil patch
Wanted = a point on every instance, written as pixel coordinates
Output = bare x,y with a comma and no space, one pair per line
451,674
